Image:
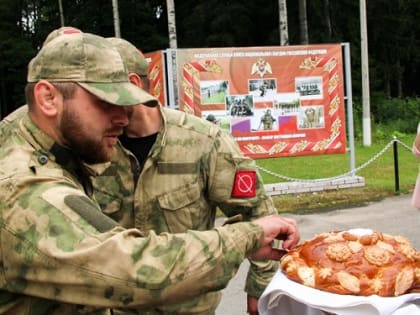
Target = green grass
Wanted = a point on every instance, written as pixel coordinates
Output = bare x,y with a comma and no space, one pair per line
378,174
216,98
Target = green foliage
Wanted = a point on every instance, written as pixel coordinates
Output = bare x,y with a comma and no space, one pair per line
394,116
15,51
389,116
404,113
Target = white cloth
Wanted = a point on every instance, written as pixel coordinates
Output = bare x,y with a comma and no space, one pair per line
285,297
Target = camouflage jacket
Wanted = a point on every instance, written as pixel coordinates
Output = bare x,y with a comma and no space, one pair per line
192,169
60,254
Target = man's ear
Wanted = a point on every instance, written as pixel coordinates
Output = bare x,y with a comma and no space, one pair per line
135,79
47,98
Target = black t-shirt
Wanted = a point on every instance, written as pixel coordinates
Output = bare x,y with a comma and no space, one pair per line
140,146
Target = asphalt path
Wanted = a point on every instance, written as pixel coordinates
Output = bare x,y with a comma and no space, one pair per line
392,215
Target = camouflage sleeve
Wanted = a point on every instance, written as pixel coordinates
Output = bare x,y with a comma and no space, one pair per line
56,244
225,162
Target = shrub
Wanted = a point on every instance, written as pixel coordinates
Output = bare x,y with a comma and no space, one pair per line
389,117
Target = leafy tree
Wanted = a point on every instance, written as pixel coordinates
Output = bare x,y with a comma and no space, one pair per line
15,50
235,23
392,39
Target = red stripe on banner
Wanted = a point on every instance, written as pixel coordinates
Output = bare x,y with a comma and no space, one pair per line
333,95
187,76
322,61
198,66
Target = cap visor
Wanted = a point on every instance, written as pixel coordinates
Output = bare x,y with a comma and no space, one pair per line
120,93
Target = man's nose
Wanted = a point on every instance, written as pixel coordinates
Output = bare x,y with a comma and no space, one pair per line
120,115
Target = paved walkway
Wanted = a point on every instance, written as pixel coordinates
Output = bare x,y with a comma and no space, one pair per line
392,215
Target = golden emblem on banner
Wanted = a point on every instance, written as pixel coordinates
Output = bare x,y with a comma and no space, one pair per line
261,67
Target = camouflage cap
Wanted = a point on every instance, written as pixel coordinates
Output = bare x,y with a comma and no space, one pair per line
64,30
132,56
93,63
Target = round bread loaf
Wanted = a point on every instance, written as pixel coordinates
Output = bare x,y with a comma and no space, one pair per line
358,262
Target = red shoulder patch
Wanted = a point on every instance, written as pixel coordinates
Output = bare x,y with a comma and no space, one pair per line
245,184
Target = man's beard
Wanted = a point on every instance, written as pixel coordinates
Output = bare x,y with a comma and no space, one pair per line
81,141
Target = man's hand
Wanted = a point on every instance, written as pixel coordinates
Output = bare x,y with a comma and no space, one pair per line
276,227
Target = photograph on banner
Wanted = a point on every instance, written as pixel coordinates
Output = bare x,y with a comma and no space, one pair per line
311,117
239,105
309,87
263,89
275,101
213,92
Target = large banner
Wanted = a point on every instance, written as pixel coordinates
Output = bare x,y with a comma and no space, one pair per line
156,75
275,101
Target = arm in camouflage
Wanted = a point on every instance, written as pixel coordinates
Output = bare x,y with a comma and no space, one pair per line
52,252
223,162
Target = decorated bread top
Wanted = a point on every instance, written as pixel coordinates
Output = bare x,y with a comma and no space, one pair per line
358,262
